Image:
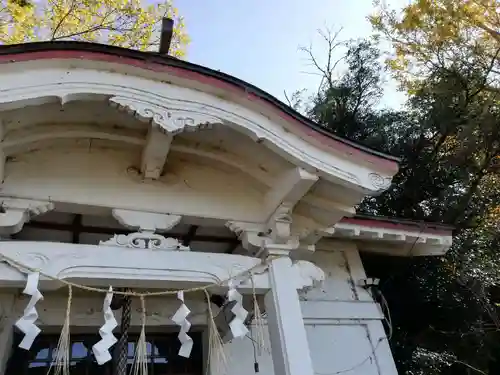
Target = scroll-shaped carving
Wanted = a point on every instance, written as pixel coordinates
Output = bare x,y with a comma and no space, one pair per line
145,240
380,182
252,236
308,275
16,212
273,238
280,224
172,121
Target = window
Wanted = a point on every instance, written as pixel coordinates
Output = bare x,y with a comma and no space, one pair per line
162,356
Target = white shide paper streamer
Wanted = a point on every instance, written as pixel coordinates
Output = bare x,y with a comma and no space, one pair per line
101,348
180,318
26,324
237,325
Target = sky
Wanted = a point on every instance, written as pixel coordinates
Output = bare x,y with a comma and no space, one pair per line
258,40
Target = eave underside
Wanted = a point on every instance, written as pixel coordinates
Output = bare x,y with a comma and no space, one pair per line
86,141
92,229
152,61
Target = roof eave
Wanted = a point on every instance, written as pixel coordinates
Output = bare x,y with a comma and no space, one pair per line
7,52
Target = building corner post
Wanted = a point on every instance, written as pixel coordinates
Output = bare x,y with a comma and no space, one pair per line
289,344
275,242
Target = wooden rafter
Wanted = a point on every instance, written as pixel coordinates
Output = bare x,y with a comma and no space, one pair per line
190,235
75,227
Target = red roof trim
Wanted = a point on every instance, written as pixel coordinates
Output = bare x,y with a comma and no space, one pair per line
307,131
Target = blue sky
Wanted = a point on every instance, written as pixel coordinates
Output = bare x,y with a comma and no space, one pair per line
258,40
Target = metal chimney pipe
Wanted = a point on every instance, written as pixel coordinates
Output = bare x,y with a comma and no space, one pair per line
167,30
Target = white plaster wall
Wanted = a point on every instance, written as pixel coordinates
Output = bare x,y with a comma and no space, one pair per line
241,358
343,268
344,325
92,175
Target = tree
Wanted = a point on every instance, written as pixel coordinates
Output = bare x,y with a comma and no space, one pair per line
444,312
128,24
430,33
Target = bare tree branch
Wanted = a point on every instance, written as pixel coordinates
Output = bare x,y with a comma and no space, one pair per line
327,70
287,99
61,21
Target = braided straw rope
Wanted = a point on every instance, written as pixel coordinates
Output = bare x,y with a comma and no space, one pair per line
216,346
217,359
121,348
62,361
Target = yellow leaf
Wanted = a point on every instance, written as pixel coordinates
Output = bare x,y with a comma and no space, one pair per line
125,23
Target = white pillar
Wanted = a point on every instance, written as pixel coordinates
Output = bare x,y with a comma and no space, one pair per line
289,345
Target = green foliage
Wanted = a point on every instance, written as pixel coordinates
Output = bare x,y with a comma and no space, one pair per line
448,135
430,33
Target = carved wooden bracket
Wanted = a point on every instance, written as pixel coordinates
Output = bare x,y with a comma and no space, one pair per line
279,226
16,212
380,182
252,236
309,275
288,190
165,124
145,240
146,221
172,121
272,238
176,108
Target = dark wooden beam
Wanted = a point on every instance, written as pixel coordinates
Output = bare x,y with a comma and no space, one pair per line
70,228
167,30
76,228
190,235
232,248
112,231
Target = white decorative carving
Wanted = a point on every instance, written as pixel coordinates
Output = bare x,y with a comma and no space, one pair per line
253,237
26,324
171,121
274,238
95,265
331,163
145,221
101,348
308,230
113,265
380,182
16,212
145,240
37,260
280,224
309,275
